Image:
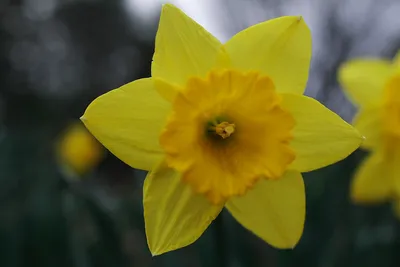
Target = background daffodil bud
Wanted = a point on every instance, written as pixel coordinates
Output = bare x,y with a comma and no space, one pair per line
78,151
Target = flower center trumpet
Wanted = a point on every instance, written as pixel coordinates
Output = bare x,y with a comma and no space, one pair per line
231,124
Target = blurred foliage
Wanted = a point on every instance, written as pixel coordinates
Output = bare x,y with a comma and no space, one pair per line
54,60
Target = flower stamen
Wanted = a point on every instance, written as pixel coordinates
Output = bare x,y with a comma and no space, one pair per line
224,129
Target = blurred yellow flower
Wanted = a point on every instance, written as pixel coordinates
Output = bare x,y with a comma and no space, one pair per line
78,151
374,86
222,125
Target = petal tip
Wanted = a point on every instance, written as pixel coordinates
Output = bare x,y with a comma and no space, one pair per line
296,19
167,6
154,254
360,135
361,138
159,251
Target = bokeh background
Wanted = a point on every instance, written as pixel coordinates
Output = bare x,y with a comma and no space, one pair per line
65,201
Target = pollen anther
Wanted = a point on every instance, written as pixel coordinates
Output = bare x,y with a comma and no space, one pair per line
224,129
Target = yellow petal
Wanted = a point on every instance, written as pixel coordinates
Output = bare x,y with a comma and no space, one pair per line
364,79
372,182
175,217
183,48
368,122
279,48
166,90
320,137
128,122
274,210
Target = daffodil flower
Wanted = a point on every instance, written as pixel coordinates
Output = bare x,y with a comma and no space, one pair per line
222,125
374,87
77,150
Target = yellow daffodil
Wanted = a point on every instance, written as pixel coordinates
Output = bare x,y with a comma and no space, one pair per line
374,87
78,151
222,125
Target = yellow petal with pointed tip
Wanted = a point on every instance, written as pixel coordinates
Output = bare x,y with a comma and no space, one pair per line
183,48
279,48
320,137
174,215
128,122
373,180
274,210
364,79
368,122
